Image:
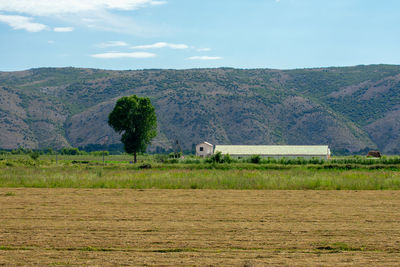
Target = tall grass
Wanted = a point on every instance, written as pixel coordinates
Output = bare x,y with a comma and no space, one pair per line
111,177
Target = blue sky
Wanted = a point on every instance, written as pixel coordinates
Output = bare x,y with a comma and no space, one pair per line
178,34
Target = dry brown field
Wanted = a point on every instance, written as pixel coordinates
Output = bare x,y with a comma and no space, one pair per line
113,227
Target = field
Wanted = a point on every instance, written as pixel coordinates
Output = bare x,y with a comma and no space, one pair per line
121,227
120,177
117,173
81,211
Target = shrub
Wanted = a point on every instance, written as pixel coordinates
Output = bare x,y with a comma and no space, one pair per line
227,159
175,155
219,158
71,151
48,151
192,161
255,159
20,151
145,166
171,161
34,155
161,158
216,158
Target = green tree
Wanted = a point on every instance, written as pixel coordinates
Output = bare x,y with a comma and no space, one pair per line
70,151
135,118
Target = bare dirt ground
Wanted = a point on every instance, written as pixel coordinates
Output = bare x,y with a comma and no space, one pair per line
95,227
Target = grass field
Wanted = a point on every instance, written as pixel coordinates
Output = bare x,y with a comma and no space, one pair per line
78,172
78,176
120,227
80,212
241,176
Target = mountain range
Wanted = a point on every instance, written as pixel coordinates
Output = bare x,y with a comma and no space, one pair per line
351,109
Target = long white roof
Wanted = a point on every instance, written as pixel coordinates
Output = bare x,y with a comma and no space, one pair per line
273,150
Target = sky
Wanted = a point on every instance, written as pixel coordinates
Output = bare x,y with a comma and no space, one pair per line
181,34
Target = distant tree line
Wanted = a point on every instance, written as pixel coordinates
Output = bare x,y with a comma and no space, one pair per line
50,151
91,149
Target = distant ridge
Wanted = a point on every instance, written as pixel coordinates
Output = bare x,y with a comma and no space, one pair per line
351,109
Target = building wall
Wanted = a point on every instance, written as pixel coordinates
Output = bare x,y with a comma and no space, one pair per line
276,151
204,150
284,156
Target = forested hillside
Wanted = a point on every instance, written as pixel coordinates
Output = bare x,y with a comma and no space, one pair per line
351,109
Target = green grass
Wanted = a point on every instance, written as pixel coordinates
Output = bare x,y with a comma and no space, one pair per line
127,176
88,171
340,246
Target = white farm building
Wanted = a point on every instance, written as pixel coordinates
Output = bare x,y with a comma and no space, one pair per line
204,149
274,151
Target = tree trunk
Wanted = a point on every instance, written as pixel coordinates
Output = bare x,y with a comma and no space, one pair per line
134,156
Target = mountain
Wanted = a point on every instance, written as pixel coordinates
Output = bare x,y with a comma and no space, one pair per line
349,108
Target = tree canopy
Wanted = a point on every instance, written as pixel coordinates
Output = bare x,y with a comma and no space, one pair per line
135,118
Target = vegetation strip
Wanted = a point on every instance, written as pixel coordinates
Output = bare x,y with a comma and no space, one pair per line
300,178
347,173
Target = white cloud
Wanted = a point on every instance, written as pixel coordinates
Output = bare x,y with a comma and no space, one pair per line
157,3
161,45
51,7
94,14
203,49
88,20
63,29
124,55
50,42
22,23
112,44
106,21
204,58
